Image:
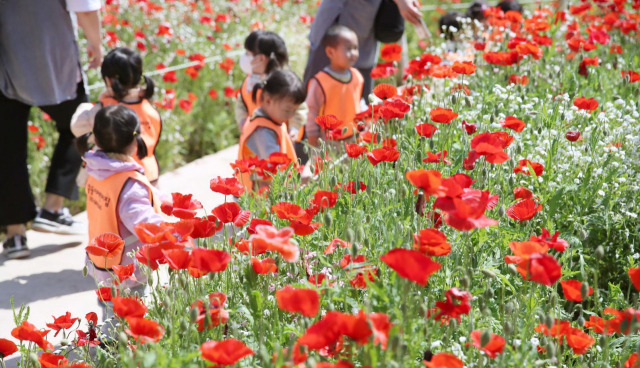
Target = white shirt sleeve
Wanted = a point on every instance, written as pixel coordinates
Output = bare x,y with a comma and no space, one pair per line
79,6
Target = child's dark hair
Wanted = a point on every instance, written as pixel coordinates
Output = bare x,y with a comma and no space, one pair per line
334,34
281,84
272,46
124,67
509,5
114,129
252,39
475,11
449,21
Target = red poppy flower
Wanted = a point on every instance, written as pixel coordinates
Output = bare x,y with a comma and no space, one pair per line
27,331
444,360
288,211
128,307
323,333
251,229
524,210
583,103
144,330
353,187
630,76
324,199
231,212
455,305
205,228
470,128
502,58
7,347
491,146
266,266
50,360
523,167
572,290
151,254
522,193
329,122
340,364
104,293
573,136
107,245
632,361
304,301
123,272
431,242
209,260
215,316
183,207
387,154
466,211
492,348
426,129
579,341
465,67
441,115
381,326
436,158
634,275
519,79
62,323
391,52
333,245
177,259
227,186
511,122
354,150
226,352
272,239
302,228
384,91
394,108
430,181
541,268
411,264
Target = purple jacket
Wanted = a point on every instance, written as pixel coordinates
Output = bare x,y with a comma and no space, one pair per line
134,207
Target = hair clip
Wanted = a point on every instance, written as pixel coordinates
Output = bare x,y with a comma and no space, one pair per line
135,133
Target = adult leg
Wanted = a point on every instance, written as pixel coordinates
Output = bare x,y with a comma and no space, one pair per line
66,161
17,205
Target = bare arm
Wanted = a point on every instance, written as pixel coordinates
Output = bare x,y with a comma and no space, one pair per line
90,24
409,10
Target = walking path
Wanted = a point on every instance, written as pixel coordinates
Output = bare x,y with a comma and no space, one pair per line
50,282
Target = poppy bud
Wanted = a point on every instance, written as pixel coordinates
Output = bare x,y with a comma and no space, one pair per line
501,211
603,340
454,99
513,269
166,303
572,136
183,325
548,320
489,273
193,315
485,338
581,321
489,293
599,252
150,281
64,342
638,347
584,234
578,308
552,299
509,307
114,290
465,282
507,328
34,359
420,203
361,234
333,182
486,312
584,290
453,323
372,98
354,251
551,350
467,102
378,137
350,236
328,220
85,271
492,119
562,116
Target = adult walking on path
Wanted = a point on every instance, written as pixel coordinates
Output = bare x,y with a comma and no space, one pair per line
359,16
40,66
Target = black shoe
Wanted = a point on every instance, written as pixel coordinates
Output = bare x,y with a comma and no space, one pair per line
16,247
59,223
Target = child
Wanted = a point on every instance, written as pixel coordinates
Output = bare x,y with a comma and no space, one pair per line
337,89
510,5
119,196
265,132
122,74
453,24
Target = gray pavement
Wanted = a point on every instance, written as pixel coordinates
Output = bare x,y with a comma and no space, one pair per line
50,282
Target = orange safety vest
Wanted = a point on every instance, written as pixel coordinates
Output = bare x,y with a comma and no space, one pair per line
150,129
103,200
341,99
247,98
244,152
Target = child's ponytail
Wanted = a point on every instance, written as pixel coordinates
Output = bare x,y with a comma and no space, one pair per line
150,89
119,92
282,83
272,64
274,48
82,143
123,66
142,147
256,87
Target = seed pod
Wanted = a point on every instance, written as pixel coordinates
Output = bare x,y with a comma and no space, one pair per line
114,291
548,321
552,299
501,211
350,236
354,251
465,282
507,328
85,271
551,350
333,182
599,252
489,273
183,325
603,340
150,281
454,99
485,338
64,342
584,290
581,321
328,219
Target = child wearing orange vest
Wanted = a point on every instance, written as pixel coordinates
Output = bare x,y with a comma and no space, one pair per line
337,89
266,132
119,196
265,53
122,73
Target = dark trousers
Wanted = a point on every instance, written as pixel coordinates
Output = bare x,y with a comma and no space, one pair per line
17,205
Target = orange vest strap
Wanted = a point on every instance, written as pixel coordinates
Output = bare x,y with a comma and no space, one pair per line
247,98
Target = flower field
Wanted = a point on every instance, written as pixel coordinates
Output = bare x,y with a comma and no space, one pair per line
486,216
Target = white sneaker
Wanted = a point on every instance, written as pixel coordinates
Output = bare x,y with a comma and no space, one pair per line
58,223
15,247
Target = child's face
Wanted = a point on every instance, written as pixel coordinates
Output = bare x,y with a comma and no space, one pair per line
279,110
346,53
258,63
